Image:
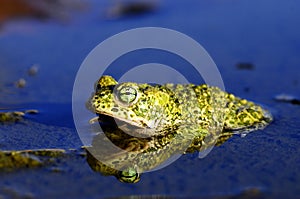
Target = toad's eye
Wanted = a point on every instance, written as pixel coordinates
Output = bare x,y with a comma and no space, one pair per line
126,95
129,175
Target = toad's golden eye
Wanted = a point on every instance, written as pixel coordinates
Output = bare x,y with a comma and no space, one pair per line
126,95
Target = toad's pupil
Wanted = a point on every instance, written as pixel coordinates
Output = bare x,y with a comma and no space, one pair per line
127,94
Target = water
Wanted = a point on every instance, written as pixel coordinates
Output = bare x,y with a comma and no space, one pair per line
265,33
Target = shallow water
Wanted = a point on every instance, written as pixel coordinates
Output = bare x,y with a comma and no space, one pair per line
264,33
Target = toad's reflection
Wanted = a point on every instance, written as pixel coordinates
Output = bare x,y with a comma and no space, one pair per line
115,152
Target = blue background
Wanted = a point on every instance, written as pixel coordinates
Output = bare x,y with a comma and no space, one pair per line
263,32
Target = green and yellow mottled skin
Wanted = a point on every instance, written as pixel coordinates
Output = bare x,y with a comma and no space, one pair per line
170,118
163,107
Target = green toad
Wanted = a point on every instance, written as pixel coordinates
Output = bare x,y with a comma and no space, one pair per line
160,108
162,120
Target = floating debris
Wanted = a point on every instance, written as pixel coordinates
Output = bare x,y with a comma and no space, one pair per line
15,116
33,70
8,117
46,152
21,83
131,8
32,111
11,160
245,66
287,98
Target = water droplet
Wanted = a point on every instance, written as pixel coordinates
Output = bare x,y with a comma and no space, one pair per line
243,135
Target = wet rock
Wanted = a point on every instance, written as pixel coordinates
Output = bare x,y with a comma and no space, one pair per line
12,160
288,99
32,111
10,117
15,116
21,83
33,70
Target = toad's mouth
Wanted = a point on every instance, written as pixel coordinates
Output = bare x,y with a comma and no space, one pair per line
107,117
112,118
104,116
136,128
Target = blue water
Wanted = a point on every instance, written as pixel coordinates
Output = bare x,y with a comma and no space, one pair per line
265,33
